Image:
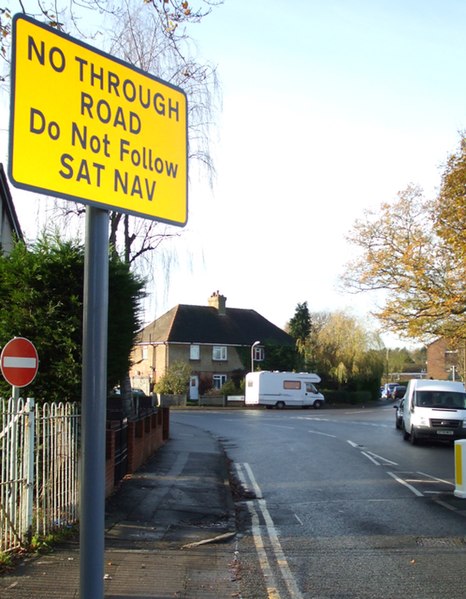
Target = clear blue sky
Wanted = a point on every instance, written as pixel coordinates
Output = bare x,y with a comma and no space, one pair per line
329,108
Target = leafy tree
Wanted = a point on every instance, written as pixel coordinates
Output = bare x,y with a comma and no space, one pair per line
403,256
155,42
299,328
396,359
126,290
414,250
41,291
345,352
418,359
449,208
175,380
276,357
279,357
401,359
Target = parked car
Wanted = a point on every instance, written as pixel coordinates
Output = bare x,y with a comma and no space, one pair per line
387,390
398,392
399,414
135,392
138,392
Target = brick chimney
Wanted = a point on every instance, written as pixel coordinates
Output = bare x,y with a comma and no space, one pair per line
217,300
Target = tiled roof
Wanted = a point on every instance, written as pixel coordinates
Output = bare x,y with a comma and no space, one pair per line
204,324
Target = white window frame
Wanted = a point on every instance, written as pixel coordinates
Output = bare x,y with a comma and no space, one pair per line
194,351
219,353
258,353
219,380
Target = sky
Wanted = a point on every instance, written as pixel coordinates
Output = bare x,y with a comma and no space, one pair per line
329,109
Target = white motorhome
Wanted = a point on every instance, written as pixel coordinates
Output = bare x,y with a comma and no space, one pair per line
283,389
434,410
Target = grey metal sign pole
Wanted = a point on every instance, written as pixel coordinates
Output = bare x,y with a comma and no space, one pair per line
94,399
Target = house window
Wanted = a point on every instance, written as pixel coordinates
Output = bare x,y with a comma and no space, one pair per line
194,352
219,352
144,352
219,380
258,354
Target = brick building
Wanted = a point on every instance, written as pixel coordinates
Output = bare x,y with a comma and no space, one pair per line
216,341
445,360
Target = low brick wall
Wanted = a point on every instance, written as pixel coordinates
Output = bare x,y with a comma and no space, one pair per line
212,400
130,443
166,401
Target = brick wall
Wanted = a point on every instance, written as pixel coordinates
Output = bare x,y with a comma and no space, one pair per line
442,356
143,436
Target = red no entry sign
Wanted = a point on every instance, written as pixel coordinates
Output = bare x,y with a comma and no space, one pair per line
19,362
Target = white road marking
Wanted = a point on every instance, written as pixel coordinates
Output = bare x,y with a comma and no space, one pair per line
272,592
440,480
387,461
403,482
299,519
313,418
274,540
369,457
323,434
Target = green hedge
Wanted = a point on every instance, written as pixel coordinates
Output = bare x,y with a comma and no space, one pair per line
347,397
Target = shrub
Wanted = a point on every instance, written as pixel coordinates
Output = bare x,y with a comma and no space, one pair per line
175,381
229,388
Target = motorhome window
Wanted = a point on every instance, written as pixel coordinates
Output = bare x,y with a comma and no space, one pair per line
440,399
310,388
292,385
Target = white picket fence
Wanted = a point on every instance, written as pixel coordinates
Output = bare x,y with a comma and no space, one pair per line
39,469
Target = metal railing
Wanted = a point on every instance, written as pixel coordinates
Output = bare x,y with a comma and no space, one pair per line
39,469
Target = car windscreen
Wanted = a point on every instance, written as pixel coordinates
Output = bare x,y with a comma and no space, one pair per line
440,399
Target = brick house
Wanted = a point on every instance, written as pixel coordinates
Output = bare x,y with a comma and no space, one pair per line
445,360
215,340
9,223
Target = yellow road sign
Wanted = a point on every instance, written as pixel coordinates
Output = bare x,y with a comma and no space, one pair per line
88,127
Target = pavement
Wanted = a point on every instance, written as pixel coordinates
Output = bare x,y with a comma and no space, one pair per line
170,533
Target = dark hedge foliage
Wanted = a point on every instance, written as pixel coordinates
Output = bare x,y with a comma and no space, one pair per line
41,295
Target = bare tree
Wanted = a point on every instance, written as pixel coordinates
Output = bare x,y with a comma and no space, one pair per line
144,41
153,36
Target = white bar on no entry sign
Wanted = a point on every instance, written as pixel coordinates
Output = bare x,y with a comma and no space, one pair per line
12,362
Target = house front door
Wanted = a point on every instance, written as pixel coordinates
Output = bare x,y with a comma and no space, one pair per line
194,387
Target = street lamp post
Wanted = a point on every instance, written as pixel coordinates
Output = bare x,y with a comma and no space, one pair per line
252,354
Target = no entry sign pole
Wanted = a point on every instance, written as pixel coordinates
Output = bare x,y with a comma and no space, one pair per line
94,394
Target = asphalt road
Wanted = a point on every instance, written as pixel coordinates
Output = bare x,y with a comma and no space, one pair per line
339,506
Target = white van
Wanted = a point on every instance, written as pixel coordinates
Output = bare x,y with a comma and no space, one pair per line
434,410
282,389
